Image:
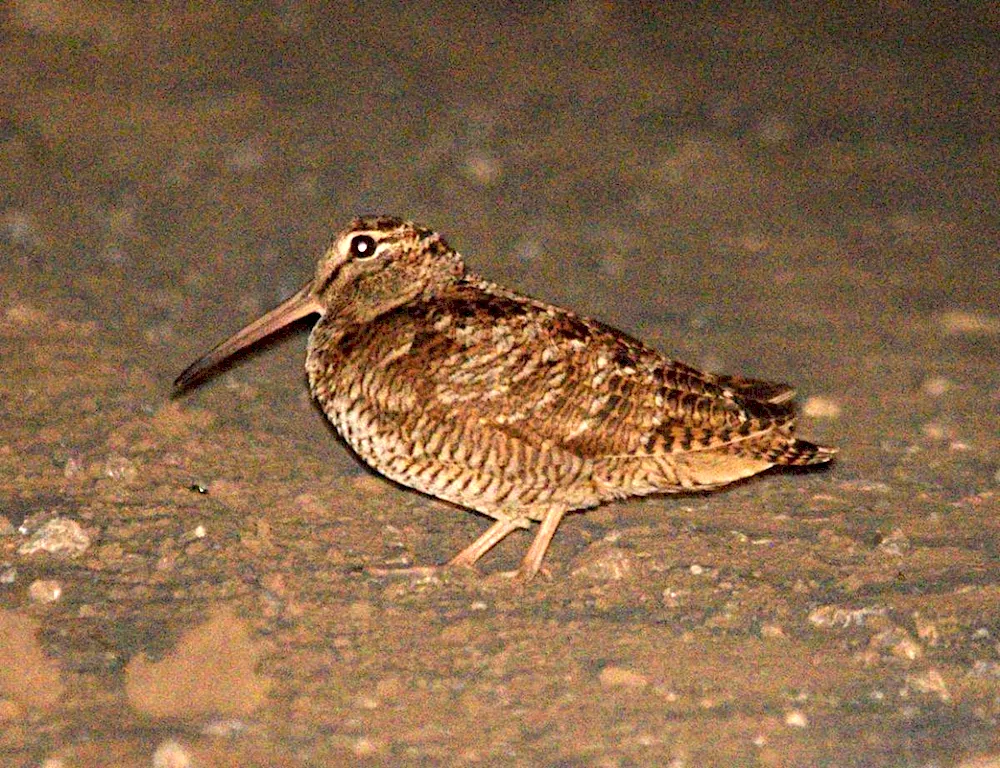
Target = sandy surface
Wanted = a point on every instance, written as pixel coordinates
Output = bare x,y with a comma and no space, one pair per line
809,198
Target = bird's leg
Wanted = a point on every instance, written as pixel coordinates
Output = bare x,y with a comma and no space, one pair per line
467,557
489,539
532,561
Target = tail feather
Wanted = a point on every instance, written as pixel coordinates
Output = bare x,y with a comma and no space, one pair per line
758,389
796,452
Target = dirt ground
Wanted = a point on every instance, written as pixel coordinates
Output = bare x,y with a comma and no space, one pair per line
809,197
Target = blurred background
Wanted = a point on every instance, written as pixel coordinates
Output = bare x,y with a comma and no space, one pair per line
805,194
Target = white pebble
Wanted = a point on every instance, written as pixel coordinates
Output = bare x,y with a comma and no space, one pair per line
59,536
969,323
170,754
45,591
796,718
935,386
820,407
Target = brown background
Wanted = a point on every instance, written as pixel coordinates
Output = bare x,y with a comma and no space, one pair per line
807,195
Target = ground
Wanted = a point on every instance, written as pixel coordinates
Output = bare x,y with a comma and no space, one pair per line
807,197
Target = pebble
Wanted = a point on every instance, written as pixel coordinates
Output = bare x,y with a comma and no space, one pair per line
224,728
59,536
930,681
365,747
969,323
935,386
835,616
170,754
120,468
620,677
773,632
898,642
44,591
796,718
819,407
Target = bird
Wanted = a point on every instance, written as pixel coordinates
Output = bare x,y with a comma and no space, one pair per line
506,405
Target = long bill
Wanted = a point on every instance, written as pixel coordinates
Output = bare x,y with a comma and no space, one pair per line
301,304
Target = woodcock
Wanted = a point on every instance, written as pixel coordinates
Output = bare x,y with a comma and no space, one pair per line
520,410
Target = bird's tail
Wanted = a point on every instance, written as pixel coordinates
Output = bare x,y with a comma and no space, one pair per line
799,453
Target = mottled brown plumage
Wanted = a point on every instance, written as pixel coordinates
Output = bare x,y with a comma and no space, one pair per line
520,410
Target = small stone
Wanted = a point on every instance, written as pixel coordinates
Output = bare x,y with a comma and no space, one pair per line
365,701
927,631
365,747
969,323
620,677
933,430
935,386
59,536
170,754
835,616
796,718
898,642
120,468
196,533
8,575
44,591
820,407
696,570
773,632
930,682
224,728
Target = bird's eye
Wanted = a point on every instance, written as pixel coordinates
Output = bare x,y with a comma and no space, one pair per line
362,246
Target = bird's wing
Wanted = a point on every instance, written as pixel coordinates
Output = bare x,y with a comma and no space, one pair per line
551,378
